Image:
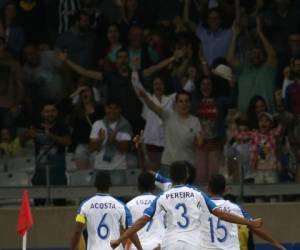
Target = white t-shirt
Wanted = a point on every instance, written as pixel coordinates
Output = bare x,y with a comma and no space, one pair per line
184,207
103,216
151,234
154,130
119,159
217,234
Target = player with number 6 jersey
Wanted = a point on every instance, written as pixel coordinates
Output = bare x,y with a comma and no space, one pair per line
103,217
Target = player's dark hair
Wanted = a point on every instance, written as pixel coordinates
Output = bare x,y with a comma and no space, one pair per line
191,173
217,184
178,172
146,182
102,181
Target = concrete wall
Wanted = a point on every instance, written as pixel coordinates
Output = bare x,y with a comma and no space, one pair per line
53,226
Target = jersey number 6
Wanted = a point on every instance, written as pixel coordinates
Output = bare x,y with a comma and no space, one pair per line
103,230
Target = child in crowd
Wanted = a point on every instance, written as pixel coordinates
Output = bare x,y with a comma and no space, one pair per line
10,145
263,148
237,152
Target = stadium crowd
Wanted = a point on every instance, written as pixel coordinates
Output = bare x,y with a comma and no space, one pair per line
212,82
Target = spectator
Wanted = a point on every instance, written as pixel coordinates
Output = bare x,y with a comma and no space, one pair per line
11,87
131,16
282,20
32,16
79,41
44,76
211,112
264,160
66,11
291,50
119,85
109,53
140,56
110,138
289,73
154,130
292,94
182,130
13,33
215,40
257,104
10,145
257,75
86,112
51,138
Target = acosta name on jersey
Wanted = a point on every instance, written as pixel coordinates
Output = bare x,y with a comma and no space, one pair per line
179,195
103,205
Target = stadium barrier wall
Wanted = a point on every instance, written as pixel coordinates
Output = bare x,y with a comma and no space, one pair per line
53,226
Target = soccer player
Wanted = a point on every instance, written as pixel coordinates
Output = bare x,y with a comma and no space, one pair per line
217,234
151,234
184,206
103,216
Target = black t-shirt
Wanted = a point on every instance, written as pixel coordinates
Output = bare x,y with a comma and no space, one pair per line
120,88
82,126
45,148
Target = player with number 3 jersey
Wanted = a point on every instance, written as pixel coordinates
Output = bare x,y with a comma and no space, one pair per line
184,207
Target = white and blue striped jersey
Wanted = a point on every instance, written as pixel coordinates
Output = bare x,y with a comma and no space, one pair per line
151,234
162,182
103,216
184,207
217,234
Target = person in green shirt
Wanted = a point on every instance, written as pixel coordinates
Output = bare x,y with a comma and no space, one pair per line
256,76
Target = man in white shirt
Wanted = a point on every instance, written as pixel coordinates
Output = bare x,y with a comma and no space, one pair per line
103,216
151,234
217,234
110,138
184,207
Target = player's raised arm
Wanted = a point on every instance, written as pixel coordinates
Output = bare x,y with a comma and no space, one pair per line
255,223
140,223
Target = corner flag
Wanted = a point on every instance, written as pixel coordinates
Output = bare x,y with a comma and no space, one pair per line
25,220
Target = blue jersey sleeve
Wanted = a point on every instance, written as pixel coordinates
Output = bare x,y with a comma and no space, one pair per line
246,214
150,211
128,218
161,179
210,204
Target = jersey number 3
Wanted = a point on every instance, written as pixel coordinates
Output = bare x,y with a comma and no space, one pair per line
186,222
103,230
219,228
